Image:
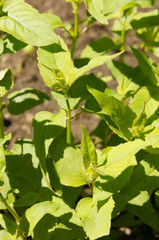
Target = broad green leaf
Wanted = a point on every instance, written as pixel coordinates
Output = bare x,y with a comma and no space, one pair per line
68,163
144,178
45,228
88,151
99,47
95,7
96,219
55,63
119,113
145,65
12,45
25,146
34,214
8,224
61,100
142,207
27,199
57,69
6,81
2,156
56,208
4,235
148,19
112,6
67,231
21,175
147,96
47,126
126,219
123,74
79,88
120,157
106,186
117,164
24,22
25,99
94,62
52,19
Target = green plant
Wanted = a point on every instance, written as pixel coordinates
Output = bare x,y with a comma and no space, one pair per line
43,181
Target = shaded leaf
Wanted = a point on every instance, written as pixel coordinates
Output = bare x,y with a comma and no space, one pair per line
145,66
6,81
68,164
120,113
25,99
142,207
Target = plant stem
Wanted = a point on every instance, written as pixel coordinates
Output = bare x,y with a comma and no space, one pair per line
1,121
68,122
10,209
76,31
123,36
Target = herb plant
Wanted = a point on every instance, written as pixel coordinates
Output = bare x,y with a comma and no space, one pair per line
51,187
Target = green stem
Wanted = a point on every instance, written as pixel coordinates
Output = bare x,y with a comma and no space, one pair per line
1,121
68,122
10,209
76,31
123,37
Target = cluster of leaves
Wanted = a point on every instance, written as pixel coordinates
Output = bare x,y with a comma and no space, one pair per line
51,188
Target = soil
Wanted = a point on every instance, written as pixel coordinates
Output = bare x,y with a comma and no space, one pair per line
26,74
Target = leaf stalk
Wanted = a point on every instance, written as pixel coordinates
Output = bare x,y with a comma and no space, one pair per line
76,30
68,122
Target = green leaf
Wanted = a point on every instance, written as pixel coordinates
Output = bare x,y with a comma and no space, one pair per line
53,20
4,235
2,156
142,207
57,69
34,214
95,7
142,20
79,88
120,157
61,100
88,151
55,63
96,219
94,62
56,208
12,45
68,164
119,113
145,65
144,178
6,81
9,225
147,96
99,47
45,228
24,22
47,126
124,76
25,99
27,199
